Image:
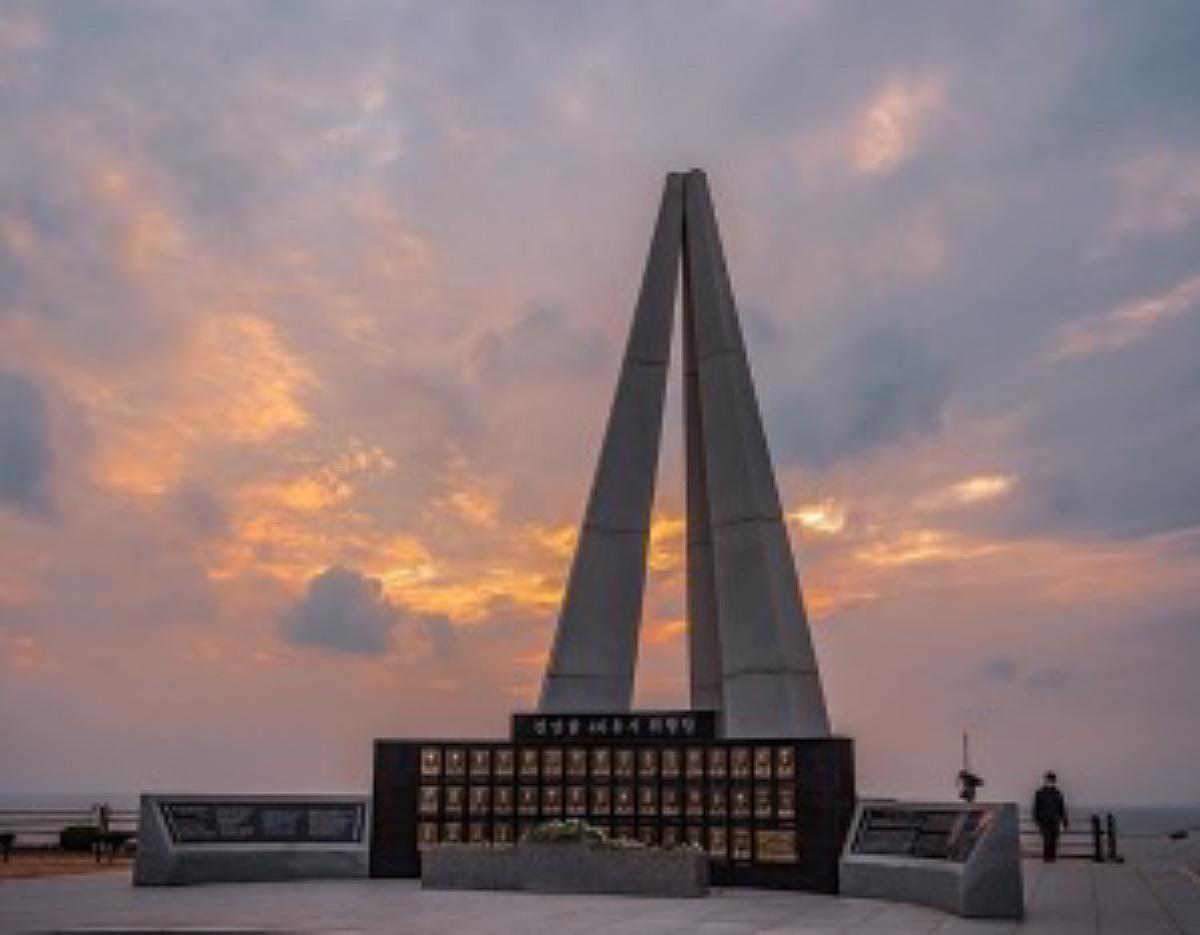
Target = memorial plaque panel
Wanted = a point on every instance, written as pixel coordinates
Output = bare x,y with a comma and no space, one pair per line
235,822
776,846
785,763
790,802
282,824
925,833
577,763
481,763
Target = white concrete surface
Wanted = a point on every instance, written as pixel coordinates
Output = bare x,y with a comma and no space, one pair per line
770,686
1148,896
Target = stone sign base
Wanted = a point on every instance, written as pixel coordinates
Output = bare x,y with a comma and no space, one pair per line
567,867
961,858
185,839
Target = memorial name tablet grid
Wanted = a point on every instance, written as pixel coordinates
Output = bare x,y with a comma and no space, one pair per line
743,802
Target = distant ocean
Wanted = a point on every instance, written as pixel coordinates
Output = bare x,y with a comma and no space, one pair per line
1132,820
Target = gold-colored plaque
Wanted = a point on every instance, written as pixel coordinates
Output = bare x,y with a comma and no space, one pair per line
775,846
504,763
694,801
481,762
503,800
431,762
601,800
786,798
785,762
452,833
529,763
601,763
647,800
502,832
739,762
741,848
670,763
648,762
427,800
670,800
762,762
455,795
762,800
718,843
717,802
623,800
552,763
623,768
576,800
552,800
527,800
480,800
740,806
716,763
694,762
427,835
576,763
456,762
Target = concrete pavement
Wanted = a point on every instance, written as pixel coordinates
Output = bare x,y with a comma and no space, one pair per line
1149,895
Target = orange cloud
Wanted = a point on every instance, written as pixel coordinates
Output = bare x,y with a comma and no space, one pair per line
886,133
924,545
667,545
664,631
234,382
1127,324
977,489
827,516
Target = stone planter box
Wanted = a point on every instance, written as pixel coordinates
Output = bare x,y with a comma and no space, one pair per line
566,867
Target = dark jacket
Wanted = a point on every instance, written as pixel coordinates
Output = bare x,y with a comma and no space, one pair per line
1049,807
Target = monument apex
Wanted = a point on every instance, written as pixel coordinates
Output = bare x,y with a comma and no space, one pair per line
751,657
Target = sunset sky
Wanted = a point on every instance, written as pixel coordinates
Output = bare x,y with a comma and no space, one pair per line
310,315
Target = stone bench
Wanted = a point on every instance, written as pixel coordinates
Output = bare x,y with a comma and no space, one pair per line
566,867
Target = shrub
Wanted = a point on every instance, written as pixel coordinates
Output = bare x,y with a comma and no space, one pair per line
78,838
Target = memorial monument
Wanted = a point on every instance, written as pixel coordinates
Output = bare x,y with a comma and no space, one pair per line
748,772
750,652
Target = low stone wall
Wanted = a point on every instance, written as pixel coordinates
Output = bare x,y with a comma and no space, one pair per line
168,858
566,867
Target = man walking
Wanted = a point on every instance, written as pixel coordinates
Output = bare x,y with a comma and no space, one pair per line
1050,813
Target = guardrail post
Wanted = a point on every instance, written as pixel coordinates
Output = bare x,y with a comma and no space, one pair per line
1097,840
1111,828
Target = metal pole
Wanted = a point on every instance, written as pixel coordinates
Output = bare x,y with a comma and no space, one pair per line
1111,824
1097,841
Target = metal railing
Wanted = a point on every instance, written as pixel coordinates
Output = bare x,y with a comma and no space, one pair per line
1094,839
33,829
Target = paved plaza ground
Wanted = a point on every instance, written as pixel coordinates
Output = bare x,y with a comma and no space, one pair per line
1149,895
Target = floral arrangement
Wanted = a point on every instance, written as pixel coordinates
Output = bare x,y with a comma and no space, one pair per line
577,830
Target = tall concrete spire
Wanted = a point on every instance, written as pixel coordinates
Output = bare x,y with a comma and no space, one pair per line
770,686
595,646
750,651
